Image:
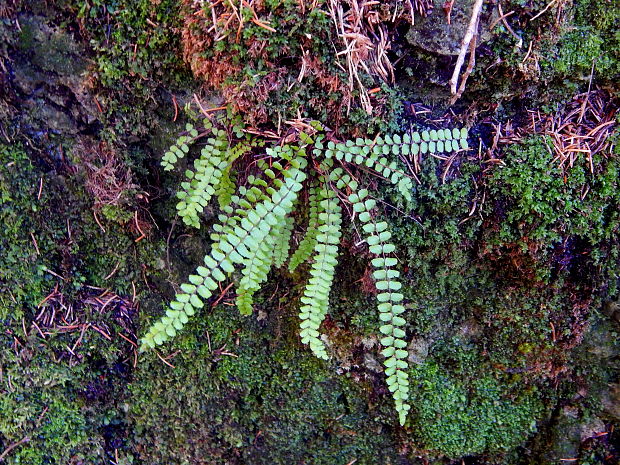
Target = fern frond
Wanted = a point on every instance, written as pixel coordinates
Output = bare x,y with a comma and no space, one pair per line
254,274
257,267
179,148
227,187
258,189
306,245
234,248
197,192
390,300
316,293
239,206
283,243
376,154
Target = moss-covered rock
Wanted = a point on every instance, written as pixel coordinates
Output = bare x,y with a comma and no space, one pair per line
543,210
240,393
469,416
504,265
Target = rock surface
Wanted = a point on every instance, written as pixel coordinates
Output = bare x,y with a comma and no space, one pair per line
50,73
435,35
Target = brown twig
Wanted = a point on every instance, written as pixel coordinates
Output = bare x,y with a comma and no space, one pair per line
98,105
127,339
176,107
142,235
549,5
222,294
503,19
113,271
8,450
100,331
164,360
97,221
34,241
40,188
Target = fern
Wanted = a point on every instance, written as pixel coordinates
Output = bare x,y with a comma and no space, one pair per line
211,174
256,225
376,154
227,186
283,243
232,249
262,258
238,207
390,301
197,192
257,268
178,150
306,245
316,293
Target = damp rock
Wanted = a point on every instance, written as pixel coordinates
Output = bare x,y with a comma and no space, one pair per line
591,428
372,364
610,401
418,350
433,33
50,69
469,331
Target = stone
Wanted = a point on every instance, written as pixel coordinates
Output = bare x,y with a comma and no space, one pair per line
470,330
418,350
435,35
50,71
371,363
610,401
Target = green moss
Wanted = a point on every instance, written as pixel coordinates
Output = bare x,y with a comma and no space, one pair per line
66,409
137,49
116,213
457,418
41,403
251,398
539,207
134,39
579,50
69,242
599,19
23,280
534,189
587,40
